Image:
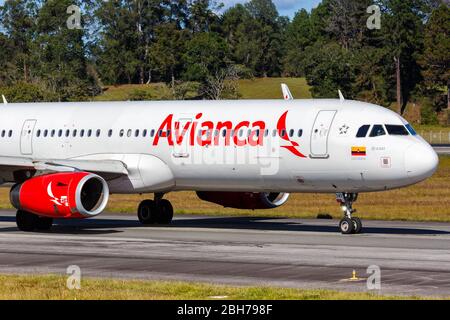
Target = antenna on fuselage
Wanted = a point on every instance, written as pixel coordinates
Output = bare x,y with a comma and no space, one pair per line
5,102
341,96
287,95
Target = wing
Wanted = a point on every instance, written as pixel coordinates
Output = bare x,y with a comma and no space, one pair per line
10,166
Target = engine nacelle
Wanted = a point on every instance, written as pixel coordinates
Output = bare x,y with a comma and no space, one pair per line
245,200
62,195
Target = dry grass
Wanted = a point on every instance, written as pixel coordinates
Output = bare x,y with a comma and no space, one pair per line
30,287
427,201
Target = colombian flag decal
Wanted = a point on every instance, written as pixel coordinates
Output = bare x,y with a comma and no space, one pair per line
359,151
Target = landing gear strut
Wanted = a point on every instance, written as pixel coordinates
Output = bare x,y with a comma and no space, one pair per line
27,221
348,224
158,211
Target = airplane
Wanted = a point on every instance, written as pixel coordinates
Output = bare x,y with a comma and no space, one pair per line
65,159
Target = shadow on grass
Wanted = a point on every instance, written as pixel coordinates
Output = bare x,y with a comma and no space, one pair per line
109,226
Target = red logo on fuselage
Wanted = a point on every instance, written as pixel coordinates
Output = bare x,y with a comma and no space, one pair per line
209,133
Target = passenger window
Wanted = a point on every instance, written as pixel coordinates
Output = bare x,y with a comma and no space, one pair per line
3,133
60,133
110,133
144,133
152,133
53,133
377,131
74,133
82,133
38,134
122,133
362,132
89,133
10,133
98,133
45,133
396,130
136,133
67,133
300,133
291,133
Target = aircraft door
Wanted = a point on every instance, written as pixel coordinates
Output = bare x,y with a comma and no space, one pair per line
321,132
181,138
26,137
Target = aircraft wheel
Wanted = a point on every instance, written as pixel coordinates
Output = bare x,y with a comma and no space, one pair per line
26,221
148,212
165,212
357,225
44,224
346,225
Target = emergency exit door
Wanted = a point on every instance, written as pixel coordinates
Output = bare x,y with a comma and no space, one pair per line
321,133
26,138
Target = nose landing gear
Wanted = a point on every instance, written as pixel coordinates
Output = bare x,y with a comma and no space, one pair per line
349,224
158,211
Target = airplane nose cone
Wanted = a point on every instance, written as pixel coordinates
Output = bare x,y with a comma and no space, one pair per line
421,161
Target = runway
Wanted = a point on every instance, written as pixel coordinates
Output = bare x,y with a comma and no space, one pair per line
442,149
414,258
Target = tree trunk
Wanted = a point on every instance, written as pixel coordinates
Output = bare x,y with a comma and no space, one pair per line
141,75
25,71
448,94
399,85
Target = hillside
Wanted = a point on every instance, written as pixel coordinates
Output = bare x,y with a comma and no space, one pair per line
258,88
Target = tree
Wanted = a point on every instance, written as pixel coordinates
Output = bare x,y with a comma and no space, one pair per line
298,38
206,54
269,32
202,15
166,53
436,58
347,21
17,18
328,68
241,32
402,32
224,84
60,55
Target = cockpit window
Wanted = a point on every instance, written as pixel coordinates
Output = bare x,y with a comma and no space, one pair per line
396,130
362,132
411,129
377,131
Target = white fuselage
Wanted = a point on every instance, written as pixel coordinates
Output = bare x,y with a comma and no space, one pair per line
258,146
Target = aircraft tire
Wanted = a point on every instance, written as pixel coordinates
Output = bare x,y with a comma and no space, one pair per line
148,212
44,223
26,221
357,225
346,225
165,212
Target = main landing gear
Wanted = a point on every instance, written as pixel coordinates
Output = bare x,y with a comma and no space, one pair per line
158,211
349,224
27,221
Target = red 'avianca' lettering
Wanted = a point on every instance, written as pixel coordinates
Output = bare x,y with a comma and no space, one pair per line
210,133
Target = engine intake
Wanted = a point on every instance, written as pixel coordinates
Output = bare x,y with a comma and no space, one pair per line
62,195
245,200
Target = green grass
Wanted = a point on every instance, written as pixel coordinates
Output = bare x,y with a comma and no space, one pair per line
261,88
52,287
270,88
121,93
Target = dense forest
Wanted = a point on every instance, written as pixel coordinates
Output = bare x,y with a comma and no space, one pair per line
49,52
